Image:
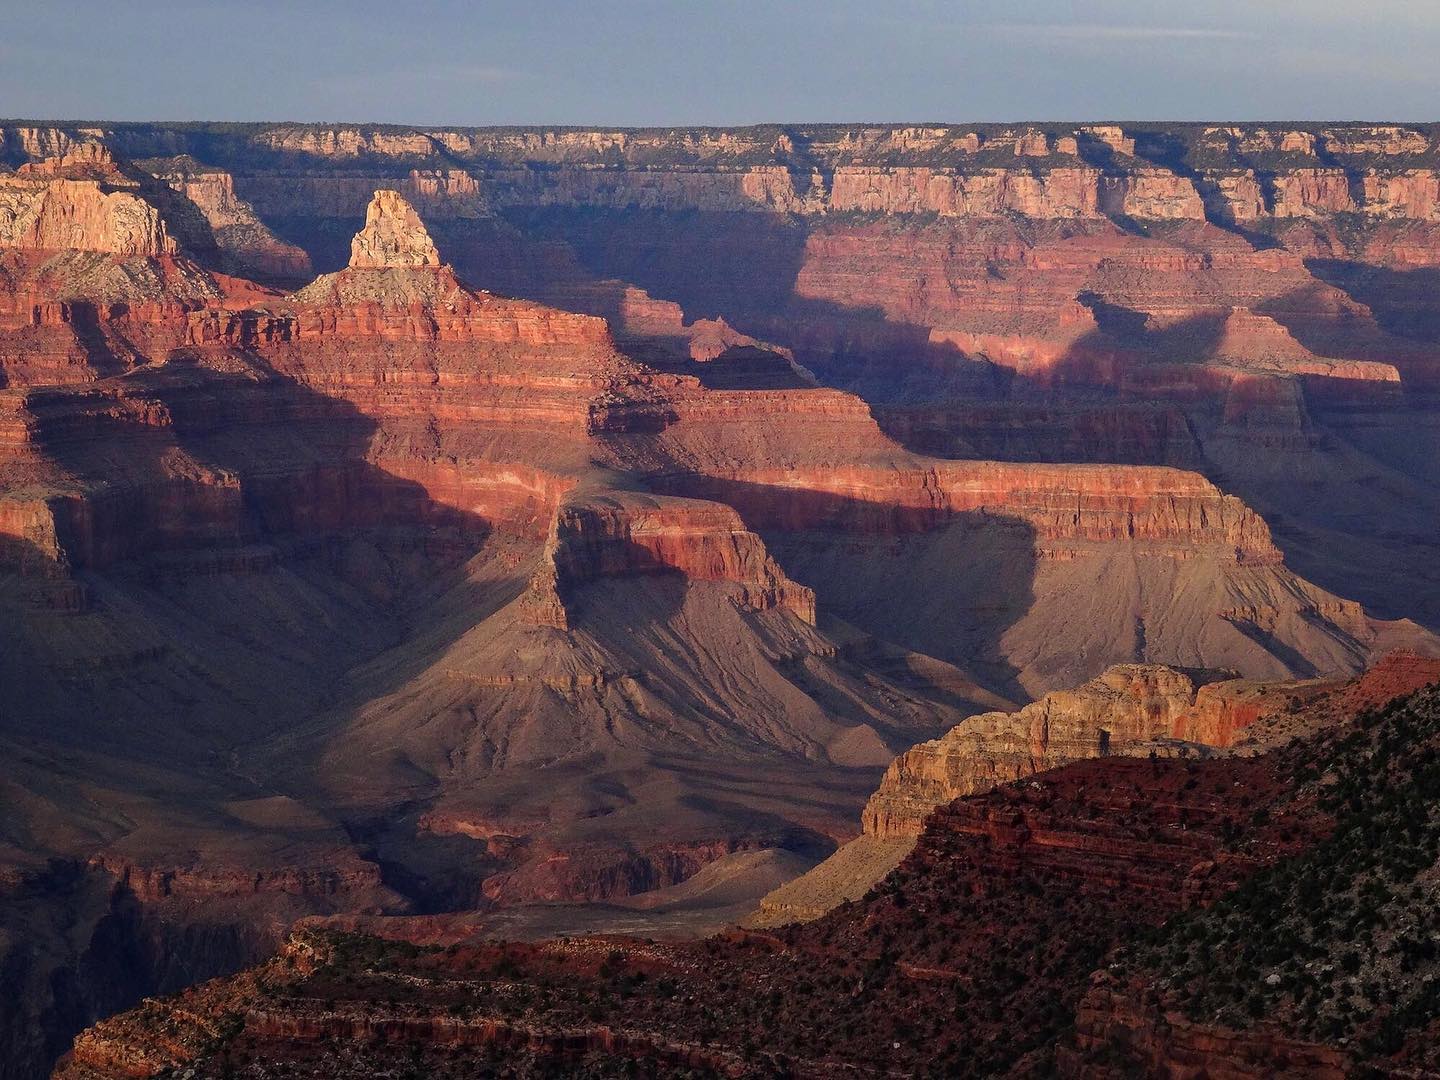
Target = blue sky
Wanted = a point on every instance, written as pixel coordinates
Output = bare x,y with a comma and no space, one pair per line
637,62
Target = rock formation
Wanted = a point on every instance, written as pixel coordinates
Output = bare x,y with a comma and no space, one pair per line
1129,709
72,202
613,545
393,236
618,535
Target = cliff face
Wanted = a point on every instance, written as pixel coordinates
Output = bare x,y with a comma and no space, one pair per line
55,215
1184,1049
80,200
237,496
1128,709
1074,193
1039,170
1061,504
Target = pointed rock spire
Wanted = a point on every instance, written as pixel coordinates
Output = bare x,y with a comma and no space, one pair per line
393,235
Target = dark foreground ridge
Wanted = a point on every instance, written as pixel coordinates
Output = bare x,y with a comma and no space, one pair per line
1252,916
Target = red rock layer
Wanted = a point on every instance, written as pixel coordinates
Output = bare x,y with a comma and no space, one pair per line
1172,510
1165,1043
1123,711
625,534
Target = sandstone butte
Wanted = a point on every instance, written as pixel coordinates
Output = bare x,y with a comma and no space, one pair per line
573,529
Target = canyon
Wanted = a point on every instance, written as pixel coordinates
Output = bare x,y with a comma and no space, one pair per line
405,522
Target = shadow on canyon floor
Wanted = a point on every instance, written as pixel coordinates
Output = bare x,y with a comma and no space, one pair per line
240,557
1403,301
942,583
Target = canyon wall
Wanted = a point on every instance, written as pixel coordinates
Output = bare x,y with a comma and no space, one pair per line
384,589
1127,710
1151,171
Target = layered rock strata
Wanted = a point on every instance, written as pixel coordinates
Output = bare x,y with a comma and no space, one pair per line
620,535
1251,170
396,566
1130,709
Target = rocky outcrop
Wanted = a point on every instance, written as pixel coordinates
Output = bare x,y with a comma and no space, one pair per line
393,236
98,269
1130,710
396,288
1261,343
1123,711
1122,433
81,215
635,534
1044,899
80,200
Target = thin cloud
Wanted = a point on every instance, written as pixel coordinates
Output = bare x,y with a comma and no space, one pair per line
1087,32
471,73
431,76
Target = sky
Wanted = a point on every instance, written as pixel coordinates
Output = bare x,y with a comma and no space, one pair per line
719,62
